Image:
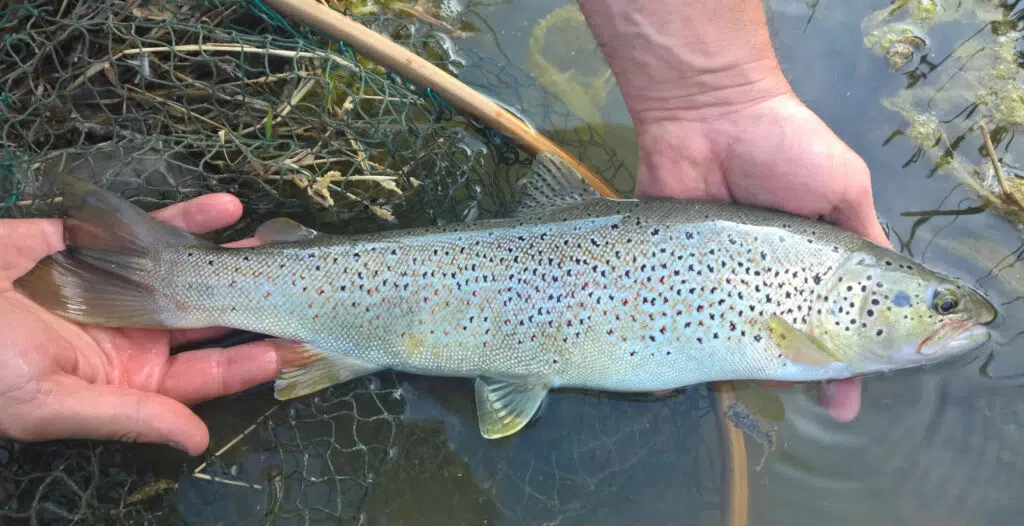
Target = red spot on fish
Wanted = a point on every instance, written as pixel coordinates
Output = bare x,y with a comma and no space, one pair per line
316,316
533,337
610,332
625,302
485,344
446,332
266,294
320,291
507,322
426,299
474,293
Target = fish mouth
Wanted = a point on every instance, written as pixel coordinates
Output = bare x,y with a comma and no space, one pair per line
964,341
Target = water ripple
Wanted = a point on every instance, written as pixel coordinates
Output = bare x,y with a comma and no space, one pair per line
930,447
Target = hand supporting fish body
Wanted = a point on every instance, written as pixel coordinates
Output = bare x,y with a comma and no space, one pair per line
573,290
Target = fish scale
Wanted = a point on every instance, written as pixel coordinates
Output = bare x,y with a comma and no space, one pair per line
573,290
582,295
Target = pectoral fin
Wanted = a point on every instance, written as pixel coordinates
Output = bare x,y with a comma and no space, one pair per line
799,346
504,407
307,370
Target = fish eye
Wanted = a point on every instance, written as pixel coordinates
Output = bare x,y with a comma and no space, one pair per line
945,301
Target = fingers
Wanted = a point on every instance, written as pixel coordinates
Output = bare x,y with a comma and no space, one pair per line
841,398
26,241
203,214
190,336
23,242
856,212
77,409
196,376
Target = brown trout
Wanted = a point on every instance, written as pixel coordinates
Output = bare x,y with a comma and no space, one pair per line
573,290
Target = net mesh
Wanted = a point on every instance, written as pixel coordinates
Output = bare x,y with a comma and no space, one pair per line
164,101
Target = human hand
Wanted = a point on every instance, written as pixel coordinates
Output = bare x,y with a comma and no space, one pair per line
65,380
773,152
716,119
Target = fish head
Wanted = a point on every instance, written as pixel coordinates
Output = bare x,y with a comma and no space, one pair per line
882,311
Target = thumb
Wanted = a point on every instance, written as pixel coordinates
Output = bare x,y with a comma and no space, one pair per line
856,213
79,409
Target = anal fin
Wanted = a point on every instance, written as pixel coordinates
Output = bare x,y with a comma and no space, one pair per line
799,346
504,407
307,369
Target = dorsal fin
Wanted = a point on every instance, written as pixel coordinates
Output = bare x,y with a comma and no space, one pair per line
552,182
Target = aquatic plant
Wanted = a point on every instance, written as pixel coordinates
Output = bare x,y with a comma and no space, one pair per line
957,92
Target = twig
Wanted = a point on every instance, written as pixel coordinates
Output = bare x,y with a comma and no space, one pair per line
172,105
285,107
30,202
421,13
237,438
204,476
1000,176
196,473
236,48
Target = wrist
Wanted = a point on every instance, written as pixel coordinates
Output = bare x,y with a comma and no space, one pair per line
687,60
708,96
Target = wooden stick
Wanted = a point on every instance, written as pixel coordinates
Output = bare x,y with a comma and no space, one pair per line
422,73
1000,176
737,506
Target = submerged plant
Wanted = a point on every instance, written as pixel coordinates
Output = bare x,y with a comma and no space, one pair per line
970,88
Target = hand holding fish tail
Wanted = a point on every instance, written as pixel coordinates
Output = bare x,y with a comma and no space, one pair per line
65,380
716,118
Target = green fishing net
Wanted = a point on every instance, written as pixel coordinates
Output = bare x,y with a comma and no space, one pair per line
164,101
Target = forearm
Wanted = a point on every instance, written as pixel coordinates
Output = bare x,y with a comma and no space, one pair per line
686,58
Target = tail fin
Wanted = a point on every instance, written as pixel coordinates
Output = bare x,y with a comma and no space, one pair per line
100,277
